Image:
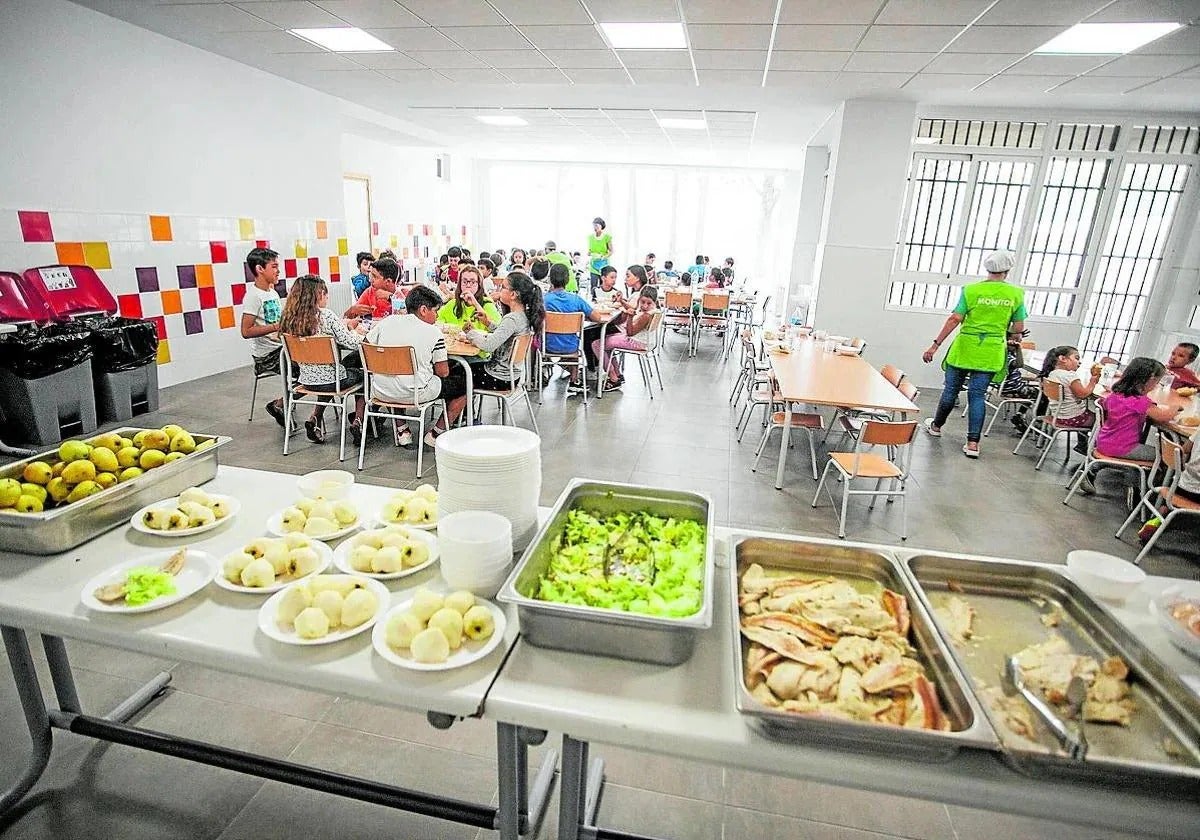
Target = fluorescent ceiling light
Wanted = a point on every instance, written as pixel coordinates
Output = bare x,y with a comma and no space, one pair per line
688,124
502,119
343,39
645,36
1106,38
927,141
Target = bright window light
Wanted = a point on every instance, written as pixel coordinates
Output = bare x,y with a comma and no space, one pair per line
645,36
343,39
501,119
1106,38
687,124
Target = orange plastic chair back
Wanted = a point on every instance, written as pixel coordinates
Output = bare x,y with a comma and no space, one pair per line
310,349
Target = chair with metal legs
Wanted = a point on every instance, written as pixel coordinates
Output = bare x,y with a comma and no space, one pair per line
314,350
896,437
517,388
394,361
1164,500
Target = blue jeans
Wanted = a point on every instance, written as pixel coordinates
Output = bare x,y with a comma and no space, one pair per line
977,385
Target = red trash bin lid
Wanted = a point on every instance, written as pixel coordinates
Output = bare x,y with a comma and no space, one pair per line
68,290
18,307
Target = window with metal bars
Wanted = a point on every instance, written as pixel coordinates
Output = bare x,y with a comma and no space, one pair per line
1165,139
995,134
938,188
1131,256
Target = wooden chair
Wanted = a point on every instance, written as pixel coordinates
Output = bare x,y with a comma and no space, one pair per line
714,315
1094,459
265,374
563,323
751,369
517,389
394,361
1049,426
897,438
647,361
810,422
892,374
1166,495
314,350
677,313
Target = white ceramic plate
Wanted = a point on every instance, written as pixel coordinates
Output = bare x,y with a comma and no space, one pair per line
1179,635
199,568
136,523
326,558
341,556
378,519
467,653
287,635
275,528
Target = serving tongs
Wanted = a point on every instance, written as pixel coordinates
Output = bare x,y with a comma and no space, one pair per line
1069,735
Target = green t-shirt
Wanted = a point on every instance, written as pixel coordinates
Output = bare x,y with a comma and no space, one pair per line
987,308
446,313
562,259
599,247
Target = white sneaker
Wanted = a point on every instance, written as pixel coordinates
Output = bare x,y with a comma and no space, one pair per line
405,438
932,432
430,440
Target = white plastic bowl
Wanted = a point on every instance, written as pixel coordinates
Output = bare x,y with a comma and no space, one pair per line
1179,635
326,484
1104,575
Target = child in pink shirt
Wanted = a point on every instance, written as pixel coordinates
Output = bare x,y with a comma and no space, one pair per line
1127,408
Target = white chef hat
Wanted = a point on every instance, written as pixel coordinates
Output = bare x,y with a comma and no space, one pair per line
999,262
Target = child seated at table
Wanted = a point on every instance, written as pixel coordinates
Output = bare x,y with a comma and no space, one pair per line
607,291
1071,412
631,335
1128,407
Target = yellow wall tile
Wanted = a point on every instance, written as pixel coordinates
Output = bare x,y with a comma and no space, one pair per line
343,247
160,228
322,229
301,249
96,255
394,241
204,275
245,228
69,253
164,352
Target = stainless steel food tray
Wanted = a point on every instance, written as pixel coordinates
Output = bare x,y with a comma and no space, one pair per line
61,529
666,641
969,726
1010,599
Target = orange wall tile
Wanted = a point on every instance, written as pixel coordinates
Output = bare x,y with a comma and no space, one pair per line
322,229
164,352
96,255
225,317
160,228
172,302
69,253
334,266
204,275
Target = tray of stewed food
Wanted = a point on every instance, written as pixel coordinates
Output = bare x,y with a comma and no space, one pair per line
618,570
831,647
1070,692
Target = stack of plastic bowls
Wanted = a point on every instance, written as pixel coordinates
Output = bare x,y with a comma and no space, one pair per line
476,551
492,468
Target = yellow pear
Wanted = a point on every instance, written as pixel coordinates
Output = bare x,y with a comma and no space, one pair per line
174,456
151,458
38,472
82,491
10,491
73,450
126,443
127,456
58,489
108,441
183,442
28,504
106,480
130,473
170,430
104,459
200,447
58,467
36,490
156,439
140,437
79,471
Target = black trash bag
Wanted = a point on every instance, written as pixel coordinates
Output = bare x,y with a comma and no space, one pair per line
32,352
122,343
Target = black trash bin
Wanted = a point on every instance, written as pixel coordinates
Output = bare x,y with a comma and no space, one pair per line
46,382
125,366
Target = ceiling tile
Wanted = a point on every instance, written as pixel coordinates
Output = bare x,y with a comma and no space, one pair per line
543,11
1054,65
878,62
744,78
284,62
943,82
656,59
1022,84
808,61
455,12
290,14
1147,65
565,37
1017,12
474,76
742,118
730,59
1004,39
386,61
974,63
367,13
723,11
238,44
415,77
206,18
1174,86
857,84
1141,11
634,10
663,77
932,11
823,11
1101,85
486,37
908,38
729,37
424,38
526,59
817,37
678,114
438,59
1184,41
598,77
525,76
809,81
584,59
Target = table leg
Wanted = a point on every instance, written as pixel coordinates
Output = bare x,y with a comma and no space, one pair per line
600,370
37,719
784,439
521,807
470,409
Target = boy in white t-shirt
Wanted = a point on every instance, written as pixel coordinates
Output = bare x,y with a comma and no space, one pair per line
261,310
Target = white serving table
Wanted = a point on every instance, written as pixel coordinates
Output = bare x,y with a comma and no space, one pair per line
218,629
688,712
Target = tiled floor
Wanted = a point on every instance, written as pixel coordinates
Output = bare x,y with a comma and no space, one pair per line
684,439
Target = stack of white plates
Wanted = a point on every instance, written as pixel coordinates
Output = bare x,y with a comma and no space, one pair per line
492,468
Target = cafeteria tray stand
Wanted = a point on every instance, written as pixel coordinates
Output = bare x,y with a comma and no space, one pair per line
520,812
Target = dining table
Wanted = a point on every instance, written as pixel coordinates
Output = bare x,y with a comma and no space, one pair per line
463,352
608,315
809,373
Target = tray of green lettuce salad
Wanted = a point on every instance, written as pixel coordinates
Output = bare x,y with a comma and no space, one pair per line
618,570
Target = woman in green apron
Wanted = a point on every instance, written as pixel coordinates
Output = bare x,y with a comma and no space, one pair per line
985,313
599,250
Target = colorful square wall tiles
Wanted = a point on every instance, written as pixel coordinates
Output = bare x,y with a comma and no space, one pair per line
193,322
208,298
245,228
334,266
410,230
249,275
160,326
147,278
374,228
160,228
301,249
322,229
343,247
281,288
187,276
35,226
164,351
262,243
69,253
204,275
172,305
96,255
289,268
225,317
314,265
129,305
393,241
239,293
219,252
